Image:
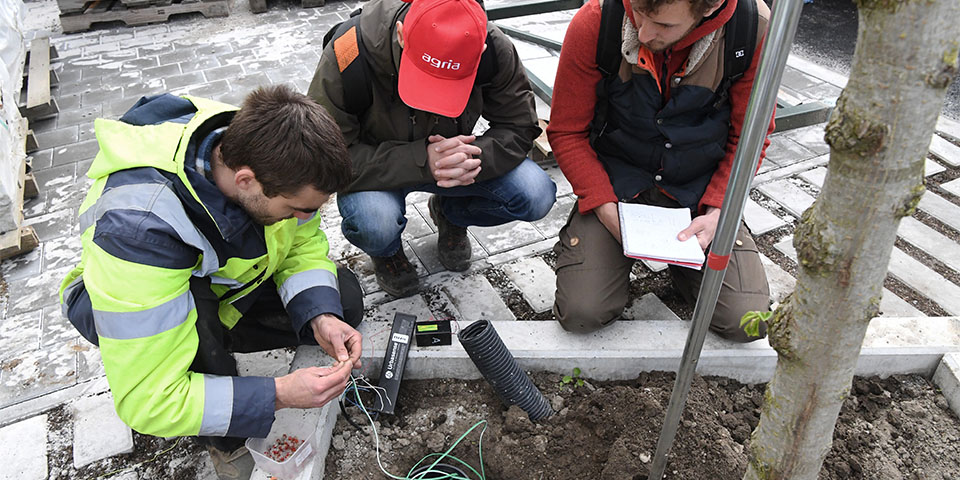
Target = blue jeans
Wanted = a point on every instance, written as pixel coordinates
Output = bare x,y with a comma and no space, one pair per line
373,220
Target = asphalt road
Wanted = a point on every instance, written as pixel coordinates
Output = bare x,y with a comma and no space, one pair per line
827,35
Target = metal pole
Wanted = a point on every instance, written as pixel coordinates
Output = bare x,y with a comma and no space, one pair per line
776,48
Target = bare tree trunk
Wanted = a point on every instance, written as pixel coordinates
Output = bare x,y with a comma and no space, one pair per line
879,133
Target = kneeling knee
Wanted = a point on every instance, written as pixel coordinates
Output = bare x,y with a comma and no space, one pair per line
578,318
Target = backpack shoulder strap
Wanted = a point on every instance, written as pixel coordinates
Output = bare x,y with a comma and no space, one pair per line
739,44
610,38
351,60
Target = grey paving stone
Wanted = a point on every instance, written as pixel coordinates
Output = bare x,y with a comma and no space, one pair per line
533,249
550,225
475,299
19,334
815,176
811,138
86,132
789,170
76,152
78,42
417,226
944,150
760,220
426,251
54,224
100,95
137,88
55,329
931,167
177,81
412,305
785,151
223,73
648,307
92,83
941,209
57,138
149,47
78,115
55,176
23,449
208,90
22,266
289,73
179,54
38,372
198,64
340,248
268,363
781,283
89,364
948,127
249,81
35,292
794,199
41,159
563,185
98,432
66,73
505,237
653,266
824,92
116,37
953,186
930,241
926,281
162,71
890,304
536,280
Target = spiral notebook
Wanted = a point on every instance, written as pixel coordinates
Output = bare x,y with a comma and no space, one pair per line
650,233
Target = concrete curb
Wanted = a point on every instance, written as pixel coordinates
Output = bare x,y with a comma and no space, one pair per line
947,377
892,346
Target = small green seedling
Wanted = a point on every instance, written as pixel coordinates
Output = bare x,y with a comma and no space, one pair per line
750,322
572,379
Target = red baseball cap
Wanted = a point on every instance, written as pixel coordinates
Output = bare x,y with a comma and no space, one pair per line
442,44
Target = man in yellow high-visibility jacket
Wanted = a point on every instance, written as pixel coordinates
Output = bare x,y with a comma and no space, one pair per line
194,208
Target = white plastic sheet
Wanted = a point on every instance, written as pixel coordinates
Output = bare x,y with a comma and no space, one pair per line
12,52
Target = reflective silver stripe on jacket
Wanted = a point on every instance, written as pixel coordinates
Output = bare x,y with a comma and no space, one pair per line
145,323
161,202
299,282
217,405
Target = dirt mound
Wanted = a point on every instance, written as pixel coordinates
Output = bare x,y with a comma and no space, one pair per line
898,427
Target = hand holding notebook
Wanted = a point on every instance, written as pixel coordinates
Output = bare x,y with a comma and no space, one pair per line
650,233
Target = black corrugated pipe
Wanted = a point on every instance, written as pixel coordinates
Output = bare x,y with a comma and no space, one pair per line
498,366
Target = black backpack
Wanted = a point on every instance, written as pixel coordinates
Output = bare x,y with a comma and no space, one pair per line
739,44
355,76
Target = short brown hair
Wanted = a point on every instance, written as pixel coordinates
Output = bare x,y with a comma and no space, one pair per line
697,7
289,141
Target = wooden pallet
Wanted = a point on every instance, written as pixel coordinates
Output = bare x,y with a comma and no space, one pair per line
35,100
100,11
23,238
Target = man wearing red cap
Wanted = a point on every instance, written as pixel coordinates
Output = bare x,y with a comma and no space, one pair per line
434,68
659,127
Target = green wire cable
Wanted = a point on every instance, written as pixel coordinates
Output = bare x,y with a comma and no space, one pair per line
376,436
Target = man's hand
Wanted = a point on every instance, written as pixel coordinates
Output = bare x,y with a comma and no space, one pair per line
609,216
704,227
311,387
338,339
453,161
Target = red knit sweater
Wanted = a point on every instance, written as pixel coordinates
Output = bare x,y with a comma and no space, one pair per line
575,96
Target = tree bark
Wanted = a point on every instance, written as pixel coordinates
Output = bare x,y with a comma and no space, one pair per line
906,56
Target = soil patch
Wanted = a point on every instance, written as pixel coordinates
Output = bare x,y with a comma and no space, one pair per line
152,457
899,427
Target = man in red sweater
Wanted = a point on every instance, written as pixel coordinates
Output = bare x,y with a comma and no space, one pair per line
660,131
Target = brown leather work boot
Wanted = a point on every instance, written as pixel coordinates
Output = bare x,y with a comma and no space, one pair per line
396,275
452,243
